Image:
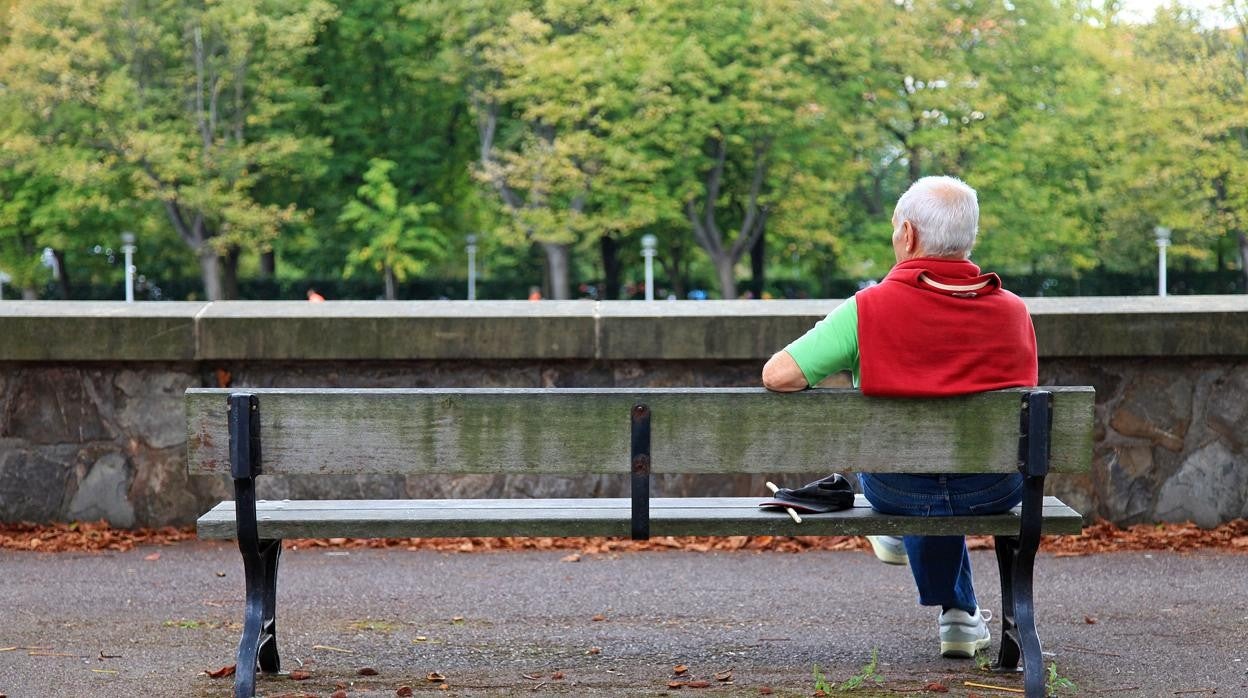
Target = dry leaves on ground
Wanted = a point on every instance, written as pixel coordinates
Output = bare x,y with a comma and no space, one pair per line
86,536
1099,537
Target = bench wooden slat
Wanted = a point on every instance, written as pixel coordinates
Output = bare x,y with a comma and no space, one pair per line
700,430
525,504
416,518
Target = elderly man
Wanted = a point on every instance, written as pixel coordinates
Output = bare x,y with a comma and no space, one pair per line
935,326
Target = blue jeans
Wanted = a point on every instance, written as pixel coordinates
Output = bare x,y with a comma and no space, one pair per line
940,564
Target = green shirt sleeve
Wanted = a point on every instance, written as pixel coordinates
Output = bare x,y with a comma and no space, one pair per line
830,346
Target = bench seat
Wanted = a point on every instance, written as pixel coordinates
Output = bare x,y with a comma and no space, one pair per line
684,516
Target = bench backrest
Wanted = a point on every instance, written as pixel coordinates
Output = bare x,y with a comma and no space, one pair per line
693,430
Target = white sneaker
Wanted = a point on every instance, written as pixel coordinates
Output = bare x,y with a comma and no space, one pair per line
963,634
889,549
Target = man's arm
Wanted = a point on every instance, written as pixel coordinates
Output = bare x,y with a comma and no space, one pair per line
828,347
782,374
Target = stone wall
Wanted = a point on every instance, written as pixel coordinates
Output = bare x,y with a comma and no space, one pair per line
92,424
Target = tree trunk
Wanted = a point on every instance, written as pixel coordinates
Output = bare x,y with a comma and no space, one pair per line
610,269
209,272
727,278
1243,258
557,263
675,271
391,286
62,273
915,165
758,266
229,273
30,294
268,264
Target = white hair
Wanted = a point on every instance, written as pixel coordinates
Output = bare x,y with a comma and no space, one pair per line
945,211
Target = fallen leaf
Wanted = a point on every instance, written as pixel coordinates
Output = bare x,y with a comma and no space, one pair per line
557,676
765,691
570,558
433,677
421,638
222,672
679,669
532,677
220,574
367,671
1240,542
1089,620
699,684
594,650
936,687
723,675
152,558
676,684
444,687
457,619
819,693
300,675
340,693
404,691
598,617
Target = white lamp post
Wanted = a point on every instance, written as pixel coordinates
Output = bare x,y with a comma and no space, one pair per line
648,243
128,248
472,267
1163,241
4,279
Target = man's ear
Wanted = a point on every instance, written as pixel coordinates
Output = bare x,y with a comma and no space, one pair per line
909,237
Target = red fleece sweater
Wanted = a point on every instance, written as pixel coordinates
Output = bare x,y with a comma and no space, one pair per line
918,340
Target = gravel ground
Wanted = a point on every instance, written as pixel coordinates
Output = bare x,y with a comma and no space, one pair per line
528,623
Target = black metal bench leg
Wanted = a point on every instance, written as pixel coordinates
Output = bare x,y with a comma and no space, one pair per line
253,619
257,649
270,553
1016,557
1009,654
1024,604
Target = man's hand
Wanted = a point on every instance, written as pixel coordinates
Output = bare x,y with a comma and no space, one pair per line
782,374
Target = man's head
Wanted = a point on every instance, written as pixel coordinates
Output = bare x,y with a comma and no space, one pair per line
936,217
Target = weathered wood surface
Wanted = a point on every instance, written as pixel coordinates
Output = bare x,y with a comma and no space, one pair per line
711,516
694,430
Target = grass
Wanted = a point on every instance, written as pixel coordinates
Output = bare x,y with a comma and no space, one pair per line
870,672
1055,682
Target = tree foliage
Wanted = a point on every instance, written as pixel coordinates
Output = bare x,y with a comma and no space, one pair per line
398,241
340,136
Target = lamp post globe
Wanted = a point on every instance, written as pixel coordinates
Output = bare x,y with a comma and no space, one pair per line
1162,234
648,244
128,249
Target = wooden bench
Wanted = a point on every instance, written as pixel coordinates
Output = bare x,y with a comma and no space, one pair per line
625,431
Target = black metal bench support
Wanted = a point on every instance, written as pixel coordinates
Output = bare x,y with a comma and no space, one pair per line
1016,555
641,472
258,646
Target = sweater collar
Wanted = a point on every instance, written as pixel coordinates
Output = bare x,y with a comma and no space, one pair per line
951,277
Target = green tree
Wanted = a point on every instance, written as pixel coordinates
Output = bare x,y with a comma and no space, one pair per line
1180,138
182,98
396,241
386,93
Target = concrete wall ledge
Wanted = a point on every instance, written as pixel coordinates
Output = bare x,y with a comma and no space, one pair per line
523,330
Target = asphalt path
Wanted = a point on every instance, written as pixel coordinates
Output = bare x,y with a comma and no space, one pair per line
149,622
